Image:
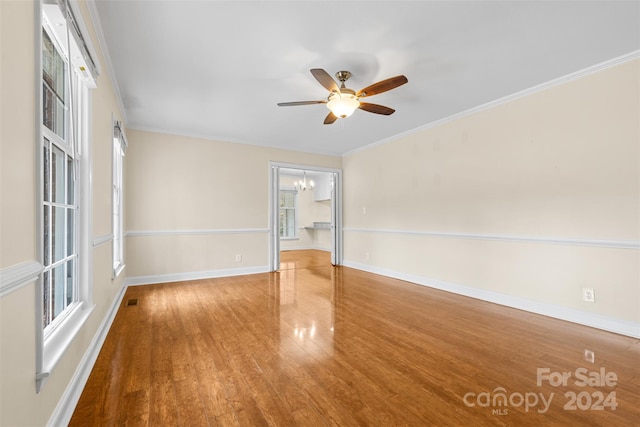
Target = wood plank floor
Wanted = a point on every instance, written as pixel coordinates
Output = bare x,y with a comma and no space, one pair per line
317,345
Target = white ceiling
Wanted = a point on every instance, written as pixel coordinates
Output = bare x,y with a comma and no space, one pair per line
216,69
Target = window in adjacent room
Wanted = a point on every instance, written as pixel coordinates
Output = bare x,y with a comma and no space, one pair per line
288,213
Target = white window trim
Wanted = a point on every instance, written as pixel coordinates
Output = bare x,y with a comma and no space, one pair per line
119,149
50,348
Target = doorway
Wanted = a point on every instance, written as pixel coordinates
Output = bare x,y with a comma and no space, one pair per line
295,203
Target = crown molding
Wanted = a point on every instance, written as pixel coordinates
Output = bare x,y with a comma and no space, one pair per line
517,95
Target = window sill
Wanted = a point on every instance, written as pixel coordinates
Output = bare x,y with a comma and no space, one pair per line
289,238
60,339
117,270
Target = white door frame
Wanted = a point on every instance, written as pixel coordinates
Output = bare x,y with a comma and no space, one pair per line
336,211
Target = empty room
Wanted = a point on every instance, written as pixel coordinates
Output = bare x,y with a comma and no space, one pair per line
310,213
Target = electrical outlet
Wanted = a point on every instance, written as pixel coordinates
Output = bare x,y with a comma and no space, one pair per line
366,256
588,295
364,211
238,257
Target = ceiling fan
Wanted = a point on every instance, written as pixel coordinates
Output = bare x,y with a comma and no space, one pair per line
342,101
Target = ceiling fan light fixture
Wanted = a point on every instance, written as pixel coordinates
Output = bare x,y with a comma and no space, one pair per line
342,101
343,104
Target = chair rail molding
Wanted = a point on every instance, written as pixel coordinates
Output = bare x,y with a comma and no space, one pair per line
101,240
599,243
136,233
14,277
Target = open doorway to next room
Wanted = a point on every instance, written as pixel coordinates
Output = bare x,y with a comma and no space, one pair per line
304,216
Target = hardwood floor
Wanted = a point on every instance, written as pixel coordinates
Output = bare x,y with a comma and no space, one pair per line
318,345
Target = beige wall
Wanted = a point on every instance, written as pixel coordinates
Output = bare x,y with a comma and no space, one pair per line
19,403
17,211
193,204
558,165
495,198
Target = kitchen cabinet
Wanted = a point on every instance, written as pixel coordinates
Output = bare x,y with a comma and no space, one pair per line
322,190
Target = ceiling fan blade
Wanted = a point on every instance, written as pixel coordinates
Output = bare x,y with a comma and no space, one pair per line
383,86
330,118
375,108
325,79
291,104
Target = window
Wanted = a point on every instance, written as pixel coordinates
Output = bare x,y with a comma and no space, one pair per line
119,146
64,301
59,189
288,213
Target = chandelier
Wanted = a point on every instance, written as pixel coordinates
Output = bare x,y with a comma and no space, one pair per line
303,185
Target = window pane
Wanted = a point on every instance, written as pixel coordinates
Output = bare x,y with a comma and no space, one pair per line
291,222
287,222
46,169
288,199
70,275
287,213
58,233
57,290
46,235
70,231
48,52
59,119
52,111
48,107
45,299
53,75
58,179
70,192
282,218
53,66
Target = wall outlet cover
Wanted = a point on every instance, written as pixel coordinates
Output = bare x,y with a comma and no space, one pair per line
588,295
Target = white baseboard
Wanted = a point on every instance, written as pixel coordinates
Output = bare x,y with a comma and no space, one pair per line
618,326
296,248
305,248
67,403
197,275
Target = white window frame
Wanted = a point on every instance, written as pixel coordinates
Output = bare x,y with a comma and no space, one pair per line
295,212
59,251
53,339
119,148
